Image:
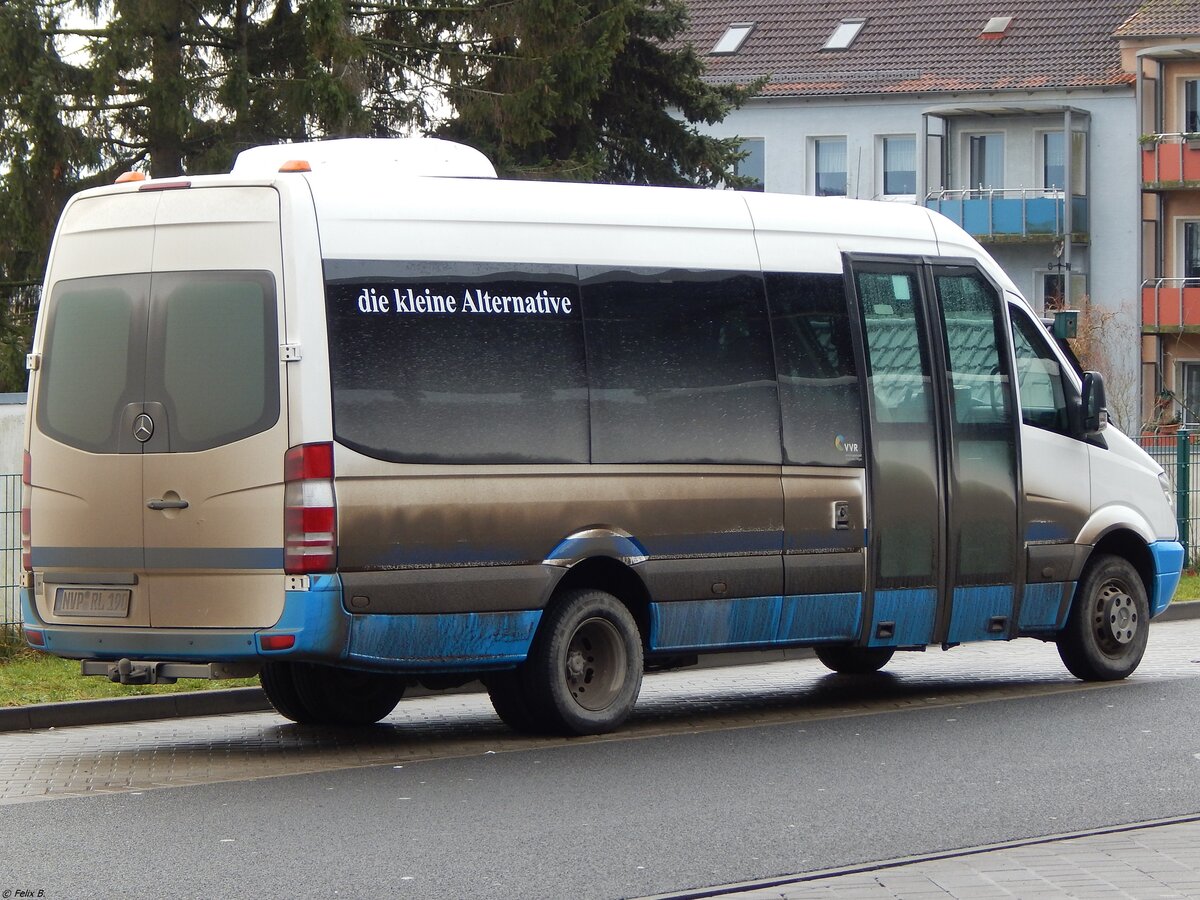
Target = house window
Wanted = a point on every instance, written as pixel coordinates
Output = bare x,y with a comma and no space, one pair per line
1191,106
986,163
899,165
1054,163
1190,376
753,165
830,167
1191,249
845,33
1053,289
733,38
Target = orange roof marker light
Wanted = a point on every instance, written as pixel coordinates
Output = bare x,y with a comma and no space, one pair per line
127,177
296,165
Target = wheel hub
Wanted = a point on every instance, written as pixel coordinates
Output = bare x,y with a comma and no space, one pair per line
594,667
1117,618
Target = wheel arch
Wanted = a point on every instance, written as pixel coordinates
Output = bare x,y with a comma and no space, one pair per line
614,577
1130,546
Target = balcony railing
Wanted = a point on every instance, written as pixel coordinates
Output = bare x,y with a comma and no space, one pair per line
1170,303
1171,161
1004,214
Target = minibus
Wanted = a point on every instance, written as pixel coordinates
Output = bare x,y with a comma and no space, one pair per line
359,416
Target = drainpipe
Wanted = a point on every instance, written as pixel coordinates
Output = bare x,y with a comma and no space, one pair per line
1068,219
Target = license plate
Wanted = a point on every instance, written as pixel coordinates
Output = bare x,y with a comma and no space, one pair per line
91,602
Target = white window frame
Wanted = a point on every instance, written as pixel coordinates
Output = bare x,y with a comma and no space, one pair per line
881,168
812,166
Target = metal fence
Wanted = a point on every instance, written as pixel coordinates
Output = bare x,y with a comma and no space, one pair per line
1179,455
10,550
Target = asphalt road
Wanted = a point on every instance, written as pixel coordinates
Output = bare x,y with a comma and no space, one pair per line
694,793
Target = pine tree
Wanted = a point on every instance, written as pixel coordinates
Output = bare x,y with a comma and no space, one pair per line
585,89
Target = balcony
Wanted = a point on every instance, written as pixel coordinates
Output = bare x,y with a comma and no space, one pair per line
1170,304
1171,162
1012,216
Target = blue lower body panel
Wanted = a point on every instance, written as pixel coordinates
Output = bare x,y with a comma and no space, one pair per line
323,632
447,642
1168,566
1045,606
977,610
912,613
754,621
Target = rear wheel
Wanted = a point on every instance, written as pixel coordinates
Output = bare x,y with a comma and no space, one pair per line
280,688
585,668
510,699
1106,632
854,660
321,695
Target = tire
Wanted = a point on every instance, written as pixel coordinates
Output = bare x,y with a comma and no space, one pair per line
322,695
510,698
1106,631
854,660
585,667
280,688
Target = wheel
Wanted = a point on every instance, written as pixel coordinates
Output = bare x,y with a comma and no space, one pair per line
510,698
1106,631
854,660
280,688
585,667
322,695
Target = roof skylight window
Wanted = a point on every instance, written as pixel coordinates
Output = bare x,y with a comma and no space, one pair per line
845,33
996,27
733,38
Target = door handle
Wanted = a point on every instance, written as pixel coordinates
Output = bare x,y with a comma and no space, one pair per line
166,504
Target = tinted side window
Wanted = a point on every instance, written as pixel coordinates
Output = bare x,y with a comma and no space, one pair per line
214,355
818,379
92,365
1039,377
680,368
457,363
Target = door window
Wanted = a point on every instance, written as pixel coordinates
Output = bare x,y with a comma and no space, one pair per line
1039,377
905,475
982,437
986,161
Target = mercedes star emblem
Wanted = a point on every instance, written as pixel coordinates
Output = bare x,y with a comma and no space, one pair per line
143,427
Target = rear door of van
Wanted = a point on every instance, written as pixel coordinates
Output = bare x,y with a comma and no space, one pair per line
159,437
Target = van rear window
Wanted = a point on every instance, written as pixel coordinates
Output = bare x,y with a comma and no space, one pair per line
202,345
89,372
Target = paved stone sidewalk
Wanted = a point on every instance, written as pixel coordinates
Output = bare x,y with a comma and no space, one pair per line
1153,861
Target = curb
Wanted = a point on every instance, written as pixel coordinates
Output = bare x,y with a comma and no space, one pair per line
252,699
133,709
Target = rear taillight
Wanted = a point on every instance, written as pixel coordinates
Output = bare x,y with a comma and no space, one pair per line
26,518
310,513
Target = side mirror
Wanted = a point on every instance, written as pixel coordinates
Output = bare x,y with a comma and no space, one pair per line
1095,404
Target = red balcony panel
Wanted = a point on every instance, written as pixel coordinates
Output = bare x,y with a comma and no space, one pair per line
1162,306
1171,161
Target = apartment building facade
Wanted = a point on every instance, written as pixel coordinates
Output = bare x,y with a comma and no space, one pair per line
1160,43
1018,121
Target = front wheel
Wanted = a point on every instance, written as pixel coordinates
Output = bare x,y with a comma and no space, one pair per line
585,668
1106,631
854,660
